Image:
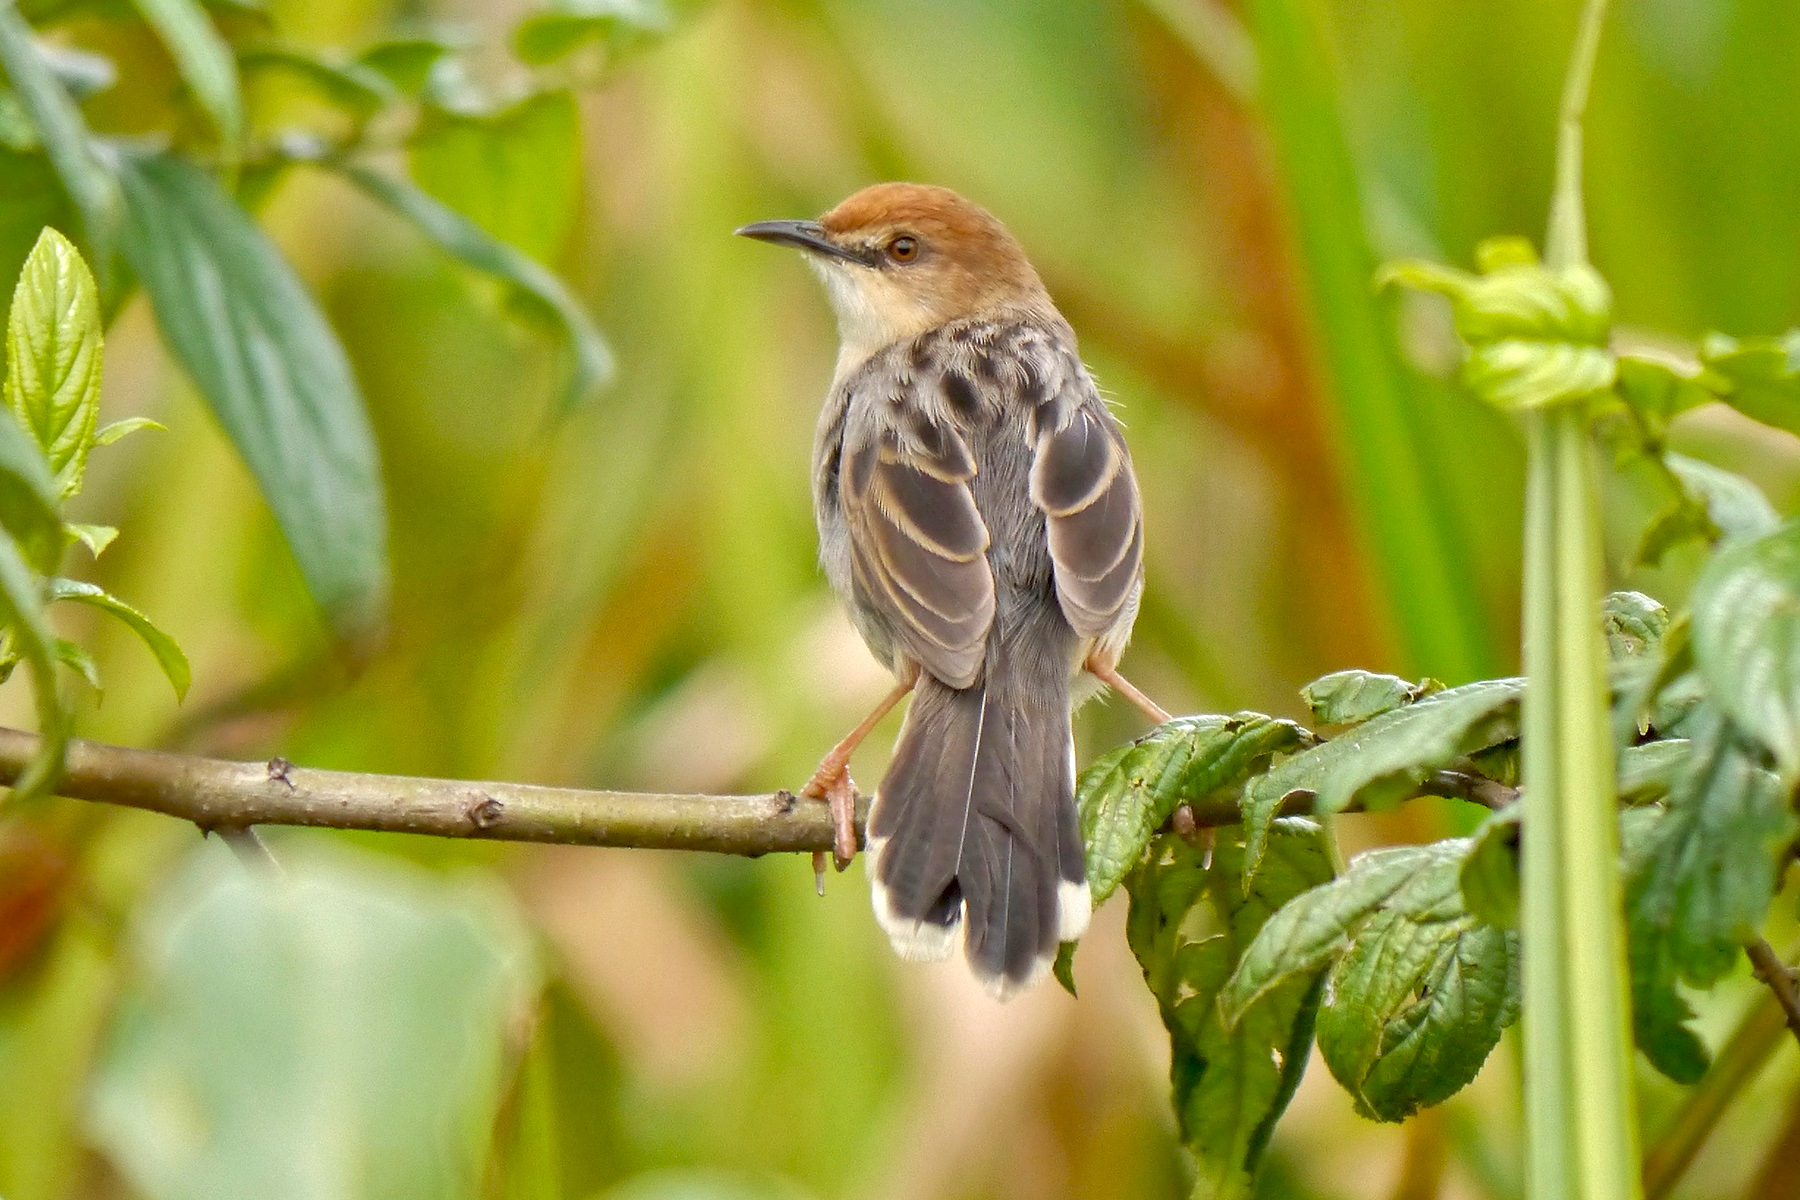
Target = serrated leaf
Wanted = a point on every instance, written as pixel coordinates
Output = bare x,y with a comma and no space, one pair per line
1346,697
593,366
112,432
1312,929
1187,924
357,89
256,345
1489,877
53,356
1634,623
206,65
1706,877
1746,639
1125,796
1659,1014
566,25
95,537
1420,989
22,615
1763,375
62,133
1414,1008
1386,758
516,172
162,647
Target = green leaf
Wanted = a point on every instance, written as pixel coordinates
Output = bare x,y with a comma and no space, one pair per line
115,430
566,25
1536,336
76,657
1415,1007
406,62
1187,925
1385,759
1064,967
1634,623
1657,392
338,1031
1705,879
1762,376
95,537
261,353
1659,1014
63,134
1735,505
1420,990
1125,796
168,655
30,504
593,361
53,348
1347,697
352,86
516,173
1647,772
1746,638
206,65
1490,873
1312,929
22,615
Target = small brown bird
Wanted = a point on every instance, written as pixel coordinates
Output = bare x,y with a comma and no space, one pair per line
979,516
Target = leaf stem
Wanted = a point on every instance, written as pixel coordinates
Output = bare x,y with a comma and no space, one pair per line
1565,241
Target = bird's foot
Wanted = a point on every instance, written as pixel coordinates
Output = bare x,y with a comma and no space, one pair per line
832,784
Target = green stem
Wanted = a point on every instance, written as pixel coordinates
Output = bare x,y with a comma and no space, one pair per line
1581,1130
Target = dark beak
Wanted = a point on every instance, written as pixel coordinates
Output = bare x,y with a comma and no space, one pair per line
803,235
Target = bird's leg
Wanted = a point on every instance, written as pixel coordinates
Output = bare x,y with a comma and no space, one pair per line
1108,674
831,782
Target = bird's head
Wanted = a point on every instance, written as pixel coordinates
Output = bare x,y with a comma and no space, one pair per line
901,258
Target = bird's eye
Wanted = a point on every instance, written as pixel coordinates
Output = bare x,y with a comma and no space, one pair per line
903,249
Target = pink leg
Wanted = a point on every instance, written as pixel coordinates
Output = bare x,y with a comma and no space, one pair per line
1108,674
831,782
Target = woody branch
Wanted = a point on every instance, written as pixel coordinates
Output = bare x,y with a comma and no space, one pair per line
218,795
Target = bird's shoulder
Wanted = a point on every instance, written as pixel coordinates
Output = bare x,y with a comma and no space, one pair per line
974,375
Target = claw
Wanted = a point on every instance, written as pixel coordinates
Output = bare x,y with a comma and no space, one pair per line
819,871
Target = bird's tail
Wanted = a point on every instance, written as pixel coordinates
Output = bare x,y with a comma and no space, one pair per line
974,830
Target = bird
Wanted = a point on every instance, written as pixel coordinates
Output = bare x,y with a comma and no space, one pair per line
979,516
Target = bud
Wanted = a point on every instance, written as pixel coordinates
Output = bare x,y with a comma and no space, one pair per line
1536,336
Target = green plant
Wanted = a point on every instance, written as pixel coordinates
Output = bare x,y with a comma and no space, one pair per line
1406,964
52,393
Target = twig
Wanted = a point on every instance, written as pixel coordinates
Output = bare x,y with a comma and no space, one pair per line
222,796
219,795
1779,976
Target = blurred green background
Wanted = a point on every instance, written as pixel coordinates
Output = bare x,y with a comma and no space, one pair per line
628,597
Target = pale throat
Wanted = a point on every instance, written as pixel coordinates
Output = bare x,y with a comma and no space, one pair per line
873,312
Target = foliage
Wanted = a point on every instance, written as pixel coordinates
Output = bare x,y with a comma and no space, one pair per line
51,426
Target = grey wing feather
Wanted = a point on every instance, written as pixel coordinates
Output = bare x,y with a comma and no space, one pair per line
919,544
1081,478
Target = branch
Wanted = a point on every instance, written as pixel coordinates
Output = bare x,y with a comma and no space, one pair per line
231,797
219,795
1779,976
